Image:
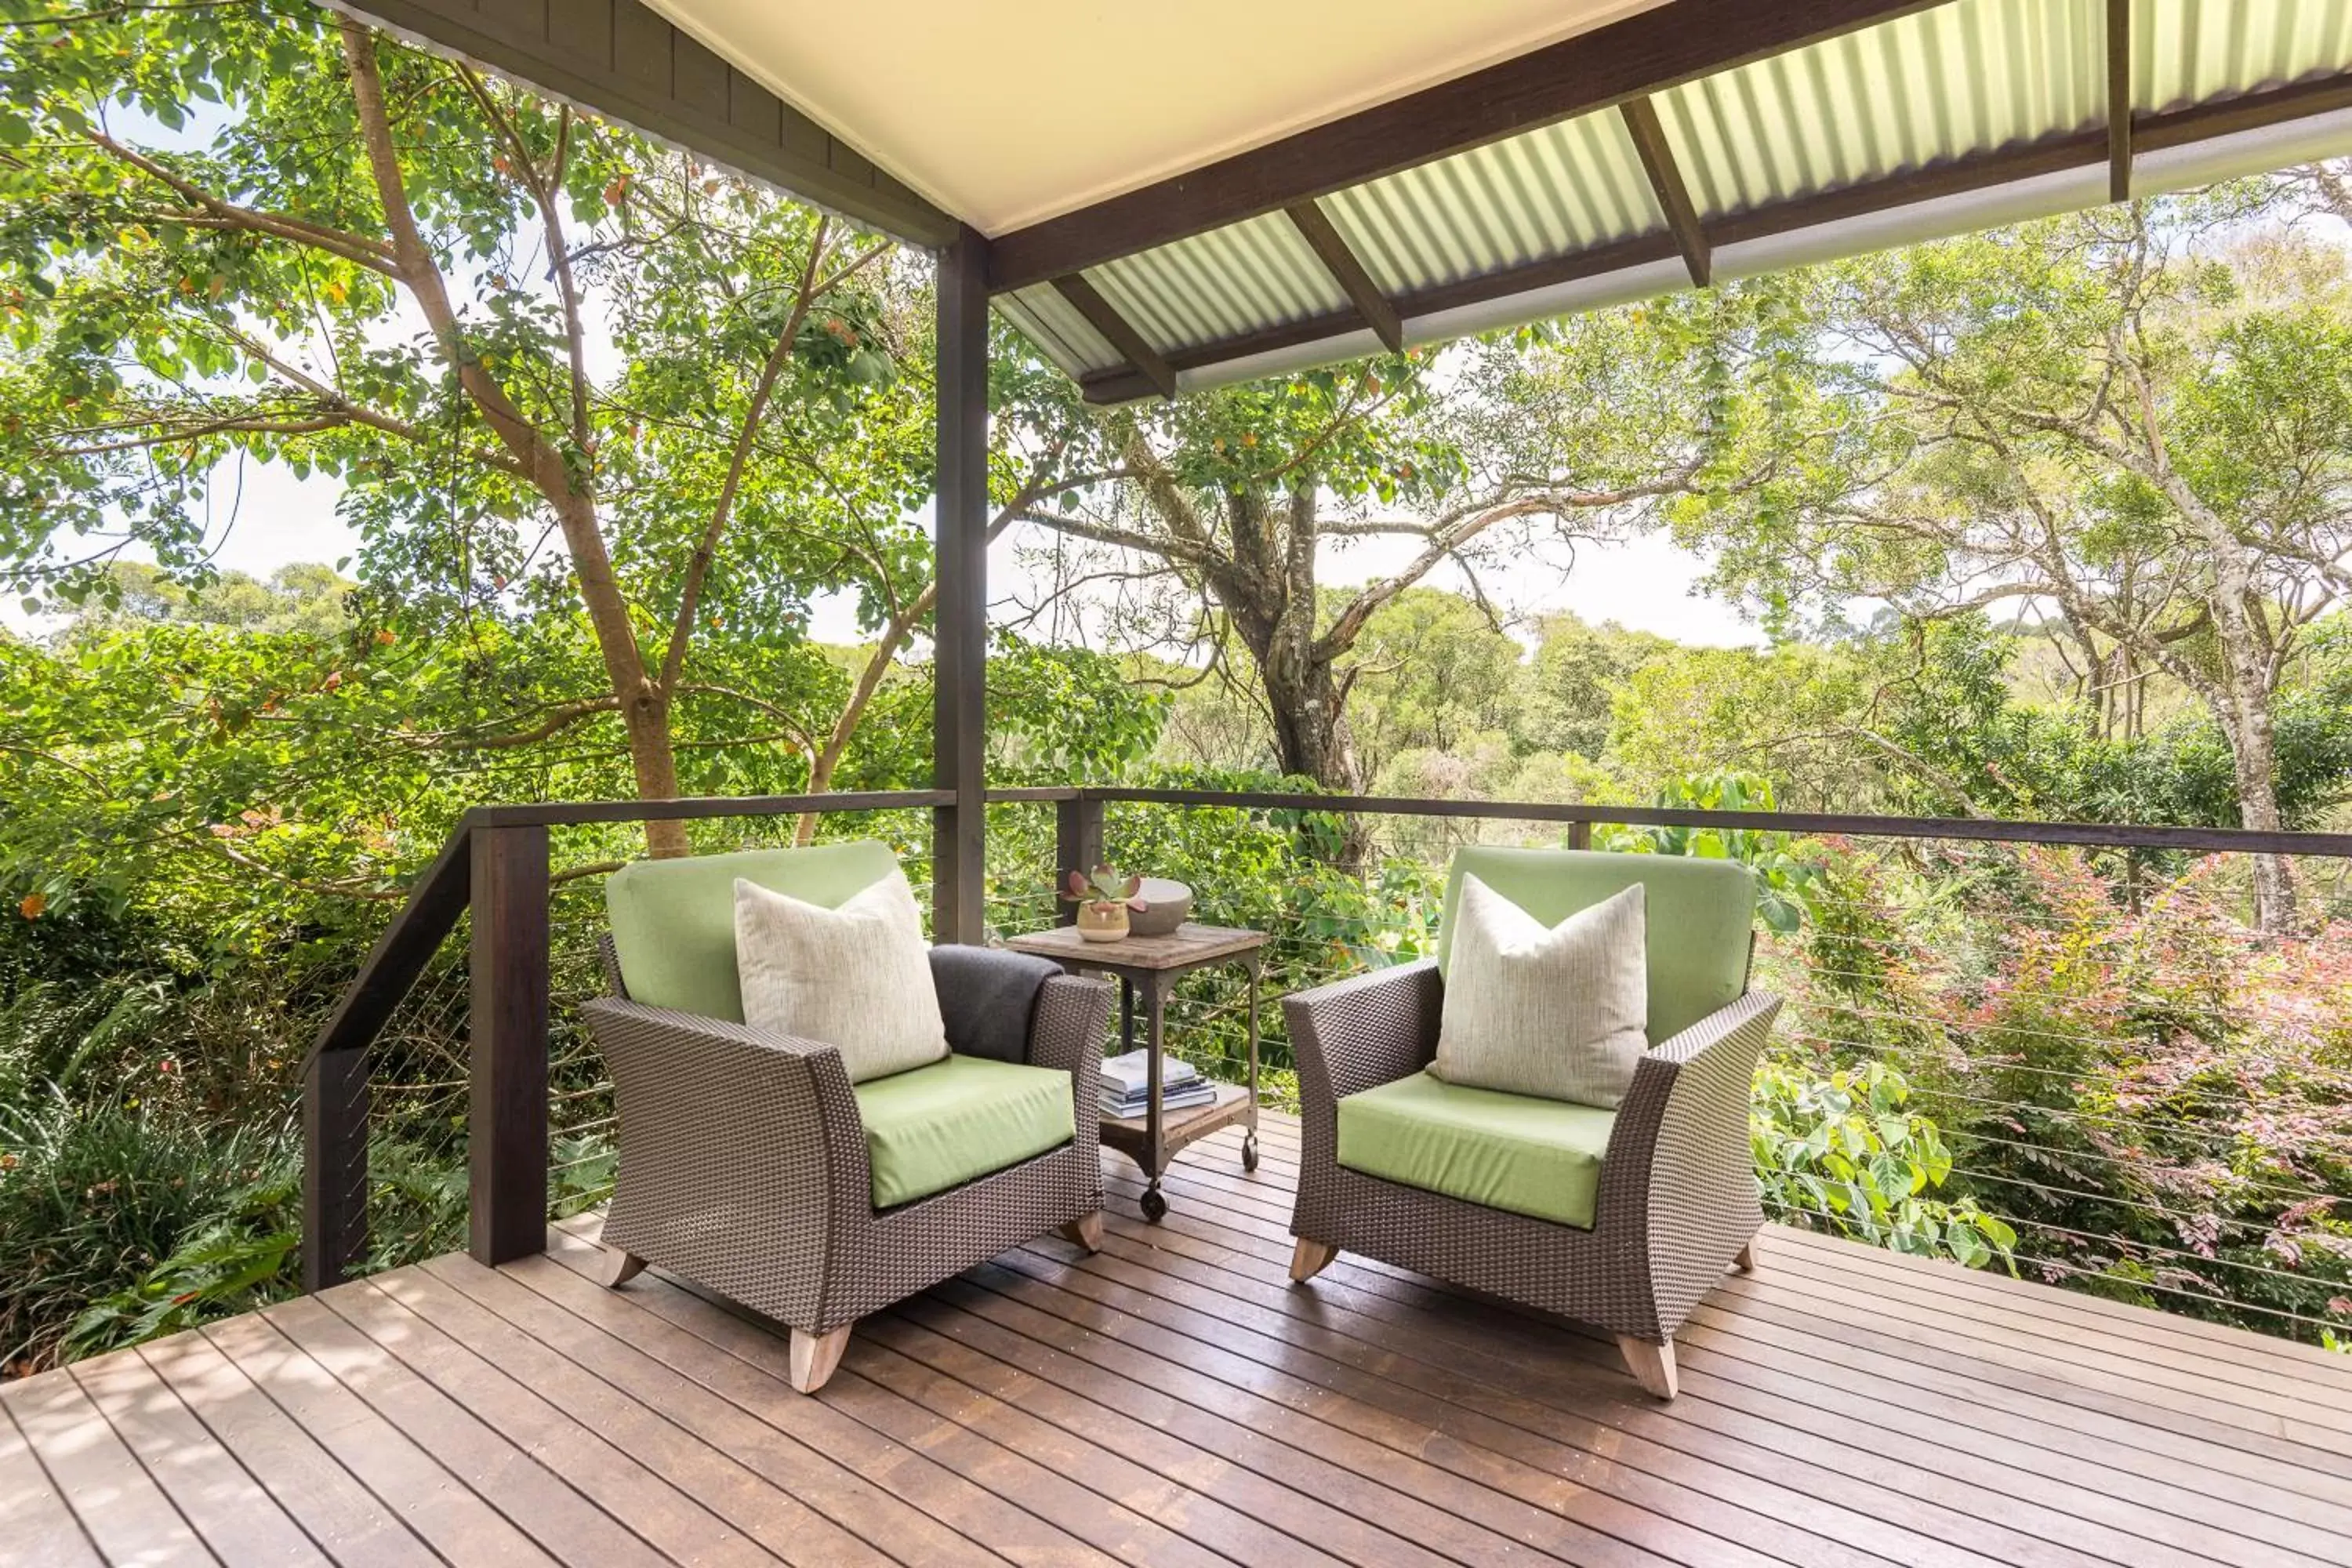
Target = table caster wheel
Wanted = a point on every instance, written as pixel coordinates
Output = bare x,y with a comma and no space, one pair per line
1155,1207
1249,1153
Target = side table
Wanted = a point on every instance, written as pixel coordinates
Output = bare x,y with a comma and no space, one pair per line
1152,965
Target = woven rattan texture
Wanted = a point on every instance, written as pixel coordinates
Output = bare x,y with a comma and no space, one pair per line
1678,1198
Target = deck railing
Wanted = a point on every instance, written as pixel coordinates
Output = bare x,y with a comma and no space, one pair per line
2035,1155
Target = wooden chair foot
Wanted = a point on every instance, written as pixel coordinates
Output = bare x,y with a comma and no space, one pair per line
1086,1231
1746,1261
1653,1365
620,1268
816,1355
1309,1258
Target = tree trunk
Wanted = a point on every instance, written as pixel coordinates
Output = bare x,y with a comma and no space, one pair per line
2245,716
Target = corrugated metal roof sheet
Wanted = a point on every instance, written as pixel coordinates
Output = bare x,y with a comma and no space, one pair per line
1567,187
1054,324
2188,51
1923,89
1221,284
1969,78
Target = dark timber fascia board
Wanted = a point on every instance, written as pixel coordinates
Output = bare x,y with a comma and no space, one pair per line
1104,317
2119,100
1645,53
1667,184
1331,248
621,59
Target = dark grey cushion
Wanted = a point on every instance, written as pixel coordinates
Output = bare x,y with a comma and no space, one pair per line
987,996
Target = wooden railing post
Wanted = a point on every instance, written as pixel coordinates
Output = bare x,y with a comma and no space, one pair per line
959,640
507,1126
1580,835
334,1165
1078,843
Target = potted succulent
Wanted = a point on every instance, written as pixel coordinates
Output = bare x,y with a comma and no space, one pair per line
1104,896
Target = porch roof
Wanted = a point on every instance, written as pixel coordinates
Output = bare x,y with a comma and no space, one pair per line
1177,197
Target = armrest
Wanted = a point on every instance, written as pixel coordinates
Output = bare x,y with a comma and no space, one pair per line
743,1117
1066,1032
1363,1032
1680,1163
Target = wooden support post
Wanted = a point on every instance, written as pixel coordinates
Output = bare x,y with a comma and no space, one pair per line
960,656
334,1166
1580,835
507,1126
2119,100
1078,843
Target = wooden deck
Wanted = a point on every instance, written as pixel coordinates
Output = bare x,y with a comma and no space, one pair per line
1171,1401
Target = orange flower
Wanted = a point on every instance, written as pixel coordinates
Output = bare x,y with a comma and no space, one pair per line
32,905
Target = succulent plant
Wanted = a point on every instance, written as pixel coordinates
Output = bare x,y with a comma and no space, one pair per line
1105,885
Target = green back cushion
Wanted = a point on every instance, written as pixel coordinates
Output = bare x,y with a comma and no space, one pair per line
1701,913
673,921
1514,1152
940,1126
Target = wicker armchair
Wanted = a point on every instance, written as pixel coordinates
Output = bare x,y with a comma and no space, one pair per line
1677,1202
744,1162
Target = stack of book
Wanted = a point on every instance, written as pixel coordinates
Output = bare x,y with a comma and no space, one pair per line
1125,1089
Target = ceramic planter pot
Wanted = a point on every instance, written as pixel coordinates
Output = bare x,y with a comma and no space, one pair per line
1102,922
1166,904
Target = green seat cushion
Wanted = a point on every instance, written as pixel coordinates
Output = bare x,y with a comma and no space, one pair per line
1701,914
673,922
940,1126
1514,1152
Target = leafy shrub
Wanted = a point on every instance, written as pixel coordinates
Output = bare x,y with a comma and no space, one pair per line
1840,1153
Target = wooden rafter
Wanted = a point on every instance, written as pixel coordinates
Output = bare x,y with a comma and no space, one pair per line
1105,318
1641,54
2119,100
2053,155
1313,225
1649,136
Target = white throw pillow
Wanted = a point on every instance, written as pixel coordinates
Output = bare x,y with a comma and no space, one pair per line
858,976
1558,1013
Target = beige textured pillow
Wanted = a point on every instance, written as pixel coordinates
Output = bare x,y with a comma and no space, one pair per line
858,977
1556,1013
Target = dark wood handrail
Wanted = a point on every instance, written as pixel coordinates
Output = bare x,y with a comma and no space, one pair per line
2097,835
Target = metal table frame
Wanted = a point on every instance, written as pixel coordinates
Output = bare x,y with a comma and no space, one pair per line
1152,965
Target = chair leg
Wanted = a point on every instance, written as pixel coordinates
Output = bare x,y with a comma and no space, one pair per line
1309,1258
1746,1261
620,1268
1085,1231
1653,1365
816,1355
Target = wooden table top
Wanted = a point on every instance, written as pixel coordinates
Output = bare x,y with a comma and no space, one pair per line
1183,947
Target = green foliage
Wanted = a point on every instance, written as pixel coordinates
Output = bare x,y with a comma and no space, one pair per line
1843,1153
1783,875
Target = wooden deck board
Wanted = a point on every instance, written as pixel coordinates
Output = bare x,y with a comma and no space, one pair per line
1173,1400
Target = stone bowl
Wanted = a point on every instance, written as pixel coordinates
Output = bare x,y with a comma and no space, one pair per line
1168,905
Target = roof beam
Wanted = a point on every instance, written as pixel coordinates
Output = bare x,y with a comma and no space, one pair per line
1104,319
1645,53
1315,227
1122,386
2054,154
1666,182
2119,100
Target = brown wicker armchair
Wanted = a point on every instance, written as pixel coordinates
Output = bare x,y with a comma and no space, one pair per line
1677,1202
744,1161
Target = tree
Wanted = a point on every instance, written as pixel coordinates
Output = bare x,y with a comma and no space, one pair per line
2138,419
1240,500
259,295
